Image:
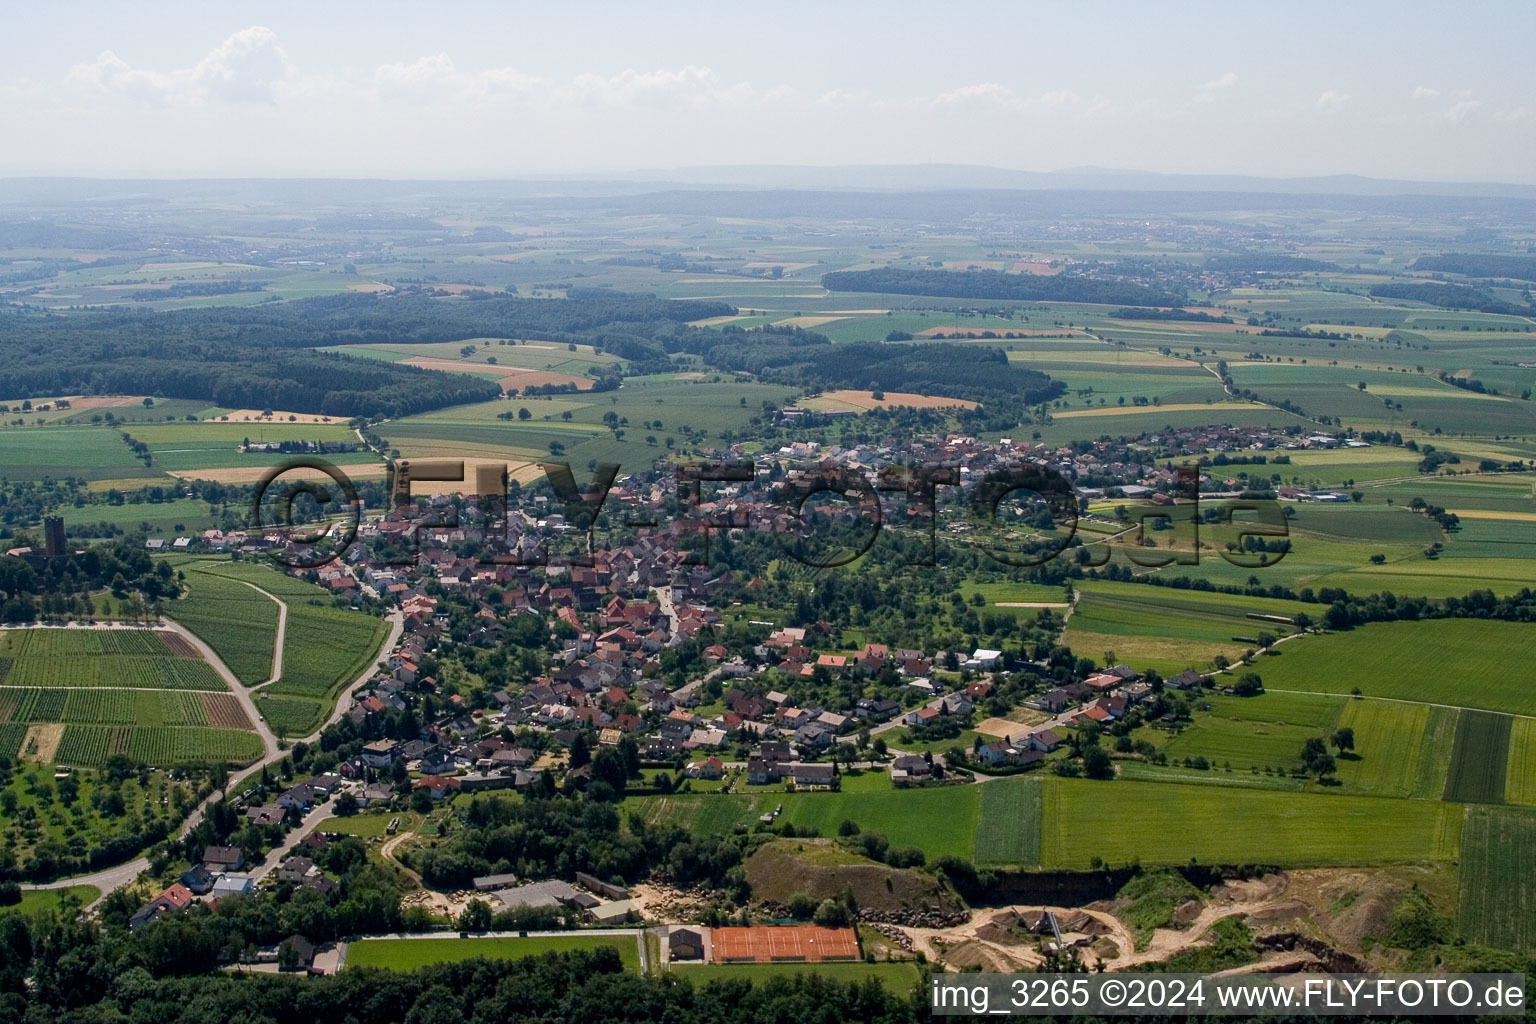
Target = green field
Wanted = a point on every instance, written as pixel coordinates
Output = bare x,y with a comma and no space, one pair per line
1479,758
1520,776
92,453
1246,732
1473,663
157,746
1498,863
938,821
897,978
409,954
1008,823
1390,740
1167,629
1156,823
237,622
107,707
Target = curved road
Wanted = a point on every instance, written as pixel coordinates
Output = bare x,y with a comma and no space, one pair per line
114,877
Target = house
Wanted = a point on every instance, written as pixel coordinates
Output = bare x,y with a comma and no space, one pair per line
264,814
223,859
1054,700
296,869
909,768
380,753
812,776
709,768
438,786
298,951
685,944
175,897
761,772
1186,680
923,716
1043,740
198,879
438,762
232,885
984,659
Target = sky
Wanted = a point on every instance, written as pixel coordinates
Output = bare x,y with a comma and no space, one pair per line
1422,91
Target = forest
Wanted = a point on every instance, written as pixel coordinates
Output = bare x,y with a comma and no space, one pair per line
249,357
1450,296
1521,268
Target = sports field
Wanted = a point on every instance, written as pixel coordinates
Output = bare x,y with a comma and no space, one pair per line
409,954
1158,823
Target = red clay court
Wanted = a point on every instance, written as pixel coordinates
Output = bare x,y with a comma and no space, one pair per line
801,942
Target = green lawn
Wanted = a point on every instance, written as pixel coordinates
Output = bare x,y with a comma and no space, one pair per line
1159,823
409,954
36,900
898,978
1474,663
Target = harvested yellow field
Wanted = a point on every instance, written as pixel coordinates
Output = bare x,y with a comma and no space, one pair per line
1483,513
864,401
259,416
251,474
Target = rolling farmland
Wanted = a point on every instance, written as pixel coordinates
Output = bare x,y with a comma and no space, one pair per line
1170,824
1520,775
1479,758
1498,862
1471,663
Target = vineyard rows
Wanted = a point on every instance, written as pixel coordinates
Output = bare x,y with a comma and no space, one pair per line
120,707
155,745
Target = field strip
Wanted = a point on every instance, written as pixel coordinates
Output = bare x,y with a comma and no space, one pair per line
277,637
1483,513
1395,700
1132,410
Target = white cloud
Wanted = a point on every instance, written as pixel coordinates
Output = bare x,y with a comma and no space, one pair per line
1207,91
1330,98
1461,109
245,67
1424,92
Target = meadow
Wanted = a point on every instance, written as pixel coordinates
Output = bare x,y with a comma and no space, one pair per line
35,901
1520,775
91,453
409,954
1159,823
938,821
1474,663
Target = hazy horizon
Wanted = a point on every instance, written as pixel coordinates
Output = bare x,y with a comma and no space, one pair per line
478,91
